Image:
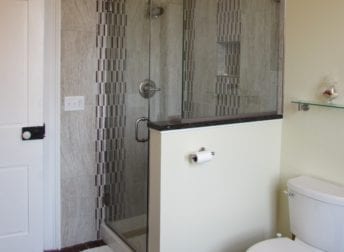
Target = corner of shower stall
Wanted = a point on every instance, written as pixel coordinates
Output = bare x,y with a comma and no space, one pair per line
113,240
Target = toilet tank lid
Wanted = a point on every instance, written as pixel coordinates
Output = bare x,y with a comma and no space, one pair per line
318,189
281,245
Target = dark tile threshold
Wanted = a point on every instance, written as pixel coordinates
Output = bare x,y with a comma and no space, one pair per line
204,122
80,247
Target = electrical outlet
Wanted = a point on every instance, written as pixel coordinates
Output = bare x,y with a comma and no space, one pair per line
74,103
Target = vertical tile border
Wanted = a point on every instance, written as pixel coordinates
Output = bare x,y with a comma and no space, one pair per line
188,56
110,110
228,36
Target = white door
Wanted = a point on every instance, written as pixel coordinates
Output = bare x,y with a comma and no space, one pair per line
21,94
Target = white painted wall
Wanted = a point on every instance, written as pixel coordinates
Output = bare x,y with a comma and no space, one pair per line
227,204
312,142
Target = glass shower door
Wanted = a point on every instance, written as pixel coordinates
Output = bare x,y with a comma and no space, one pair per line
139,78
123,37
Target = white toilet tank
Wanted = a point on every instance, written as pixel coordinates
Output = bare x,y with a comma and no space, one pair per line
316,211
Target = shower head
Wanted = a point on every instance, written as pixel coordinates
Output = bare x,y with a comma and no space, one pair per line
155,12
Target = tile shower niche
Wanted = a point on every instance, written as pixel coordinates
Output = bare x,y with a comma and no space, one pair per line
228,57
228,39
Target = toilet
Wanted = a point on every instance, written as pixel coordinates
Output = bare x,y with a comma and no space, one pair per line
316,212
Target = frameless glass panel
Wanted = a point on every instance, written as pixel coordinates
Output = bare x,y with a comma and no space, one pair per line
231,57
216,58
166,58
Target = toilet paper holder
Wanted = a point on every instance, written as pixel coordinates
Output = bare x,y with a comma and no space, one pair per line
193,156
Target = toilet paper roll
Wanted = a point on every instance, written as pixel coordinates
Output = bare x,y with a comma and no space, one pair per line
202,157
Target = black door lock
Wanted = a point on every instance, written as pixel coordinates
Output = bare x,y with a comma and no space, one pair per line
33,133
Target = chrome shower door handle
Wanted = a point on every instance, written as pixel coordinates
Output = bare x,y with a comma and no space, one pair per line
137,124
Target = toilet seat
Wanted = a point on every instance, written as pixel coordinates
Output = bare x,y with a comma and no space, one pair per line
280,245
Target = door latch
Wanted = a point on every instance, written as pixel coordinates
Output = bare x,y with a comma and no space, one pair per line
33,133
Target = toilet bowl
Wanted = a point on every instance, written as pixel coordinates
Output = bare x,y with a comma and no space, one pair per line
316,211
282,245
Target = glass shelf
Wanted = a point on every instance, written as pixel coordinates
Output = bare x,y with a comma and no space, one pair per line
304,105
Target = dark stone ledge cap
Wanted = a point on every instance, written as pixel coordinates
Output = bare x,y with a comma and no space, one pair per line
211,121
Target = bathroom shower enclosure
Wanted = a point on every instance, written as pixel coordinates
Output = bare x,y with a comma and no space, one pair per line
174,61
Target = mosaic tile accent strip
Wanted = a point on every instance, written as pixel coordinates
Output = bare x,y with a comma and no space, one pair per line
228,38
110,110
188,57
228,20
228,97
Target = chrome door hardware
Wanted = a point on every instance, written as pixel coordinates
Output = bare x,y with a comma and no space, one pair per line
137,124
148,88
289,194
33,133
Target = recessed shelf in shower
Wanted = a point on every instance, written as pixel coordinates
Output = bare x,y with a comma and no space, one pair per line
228,58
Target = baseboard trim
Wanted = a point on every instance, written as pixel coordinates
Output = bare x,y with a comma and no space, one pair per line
80,247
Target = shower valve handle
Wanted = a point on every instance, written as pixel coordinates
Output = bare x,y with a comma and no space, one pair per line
148,88
152,89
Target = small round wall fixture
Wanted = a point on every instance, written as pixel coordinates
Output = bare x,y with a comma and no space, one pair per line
148,88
